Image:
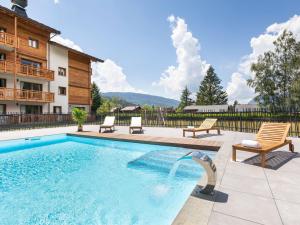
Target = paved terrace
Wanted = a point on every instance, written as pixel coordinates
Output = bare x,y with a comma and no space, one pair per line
246,194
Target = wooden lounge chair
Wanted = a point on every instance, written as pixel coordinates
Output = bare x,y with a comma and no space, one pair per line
109,123
136,124
207,125
270,136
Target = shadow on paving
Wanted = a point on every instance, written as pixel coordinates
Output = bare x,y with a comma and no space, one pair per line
218,196
274,160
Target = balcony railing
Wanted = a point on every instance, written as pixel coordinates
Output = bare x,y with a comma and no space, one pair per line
7,39
6,94
6,67
26,70
26,95
31,71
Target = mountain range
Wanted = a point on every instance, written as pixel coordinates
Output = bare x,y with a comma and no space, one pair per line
143,99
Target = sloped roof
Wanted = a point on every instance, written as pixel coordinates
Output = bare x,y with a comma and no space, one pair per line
28,20
131,108
93,58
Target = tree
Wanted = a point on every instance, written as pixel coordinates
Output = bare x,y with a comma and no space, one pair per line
276,80
79,116
96,97
106,106
148,108
185,99
210,90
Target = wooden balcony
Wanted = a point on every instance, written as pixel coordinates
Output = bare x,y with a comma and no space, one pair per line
7,94
26,70
7,67
10,94
7,41
35,72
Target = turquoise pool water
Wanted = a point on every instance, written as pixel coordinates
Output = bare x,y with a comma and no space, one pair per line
64,179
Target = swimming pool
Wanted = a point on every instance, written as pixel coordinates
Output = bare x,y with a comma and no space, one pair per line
63,179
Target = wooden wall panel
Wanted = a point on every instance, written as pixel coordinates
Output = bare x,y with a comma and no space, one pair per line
24,33
77,61
80,96
78,78
8,23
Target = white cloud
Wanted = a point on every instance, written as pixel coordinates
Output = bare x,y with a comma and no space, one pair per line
66,42
237,88
110,77
190,68
56,1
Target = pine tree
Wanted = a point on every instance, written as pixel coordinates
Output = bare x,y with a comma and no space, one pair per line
210,91
185,99
96,97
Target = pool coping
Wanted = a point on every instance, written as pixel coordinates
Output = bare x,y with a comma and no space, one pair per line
168,141
196,209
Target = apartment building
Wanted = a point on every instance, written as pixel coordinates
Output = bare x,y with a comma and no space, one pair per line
38,75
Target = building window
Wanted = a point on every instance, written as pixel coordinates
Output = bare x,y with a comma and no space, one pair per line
31,86
31,109
33,43
62,71
2,56
2,109
2,83
57,109
30,63
62,91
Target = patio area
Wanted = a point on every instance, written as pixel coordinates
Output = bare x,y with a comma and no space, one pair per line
245,194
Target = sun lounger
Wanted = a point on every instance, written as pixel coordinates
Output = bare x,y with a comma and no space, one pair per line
270,137
109,123
136,124
207,125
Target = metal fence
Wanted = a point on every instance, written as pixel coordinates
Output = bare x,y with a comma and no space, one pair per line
247,121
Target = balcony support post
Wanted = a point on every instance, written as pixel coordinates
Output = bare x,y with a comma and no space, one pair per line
15,59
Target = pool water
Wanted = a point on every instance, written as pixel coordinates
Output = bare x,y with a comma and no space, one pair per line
64,179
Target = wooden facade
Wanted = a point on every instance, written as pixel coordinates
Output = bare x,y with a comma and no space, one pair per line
16,33
25,44
79,79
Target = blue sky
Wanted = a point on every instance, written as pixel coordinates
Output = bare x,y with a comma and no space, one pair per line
136,35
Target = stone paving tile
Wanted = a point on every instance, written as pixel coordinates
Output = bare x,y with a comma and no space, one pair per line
248,207
284,177
285,191
221,219
289,212
250,185
245,170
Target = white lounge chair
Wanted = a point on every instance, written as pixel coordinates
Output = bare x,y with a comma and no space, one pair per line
109,123
136,124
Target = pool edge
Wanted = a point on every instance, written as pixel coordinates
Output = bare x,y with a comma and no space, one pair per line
176,142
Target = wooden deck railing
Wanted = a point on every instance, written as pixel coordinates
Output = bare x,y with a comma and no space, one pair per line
6,94
26,70
31,71
7,39
6,67
26,95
